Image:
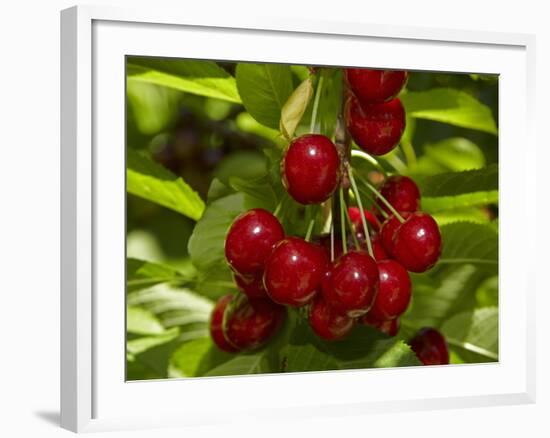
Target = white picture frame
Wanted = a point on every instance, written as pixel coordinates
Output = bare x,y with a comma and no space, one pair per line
94,395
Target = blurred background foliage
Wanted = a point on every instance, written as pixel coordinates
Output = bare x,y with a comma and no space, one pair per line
206,136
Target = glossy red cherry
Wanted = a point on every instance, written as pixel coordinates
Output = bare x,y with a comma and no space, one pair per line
216,324
326,322
387,326
352,284
417,242
394,291
375,86
294,271
250,240
311,169
251,285
377,127
387,233
402,193
430,347
355,217
253,322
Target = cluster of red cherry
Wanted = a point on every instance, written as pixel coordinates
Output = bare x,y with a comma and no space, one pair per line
368,284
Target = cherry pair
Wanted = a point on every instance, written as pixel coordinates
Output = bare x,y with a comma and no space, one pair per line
374,117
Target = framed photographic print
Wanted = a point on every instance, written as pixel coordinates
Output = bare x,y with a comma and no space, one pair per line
313,207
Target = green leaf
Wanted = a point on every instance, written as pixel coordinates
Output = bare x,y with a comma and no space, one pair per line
457,183
196,357
204,78
435,299
153,107
140,345
474,334
449,106
242,364
468,214
295,107
434,205
242,164
487,292
175,307
259,189
454,154
363,348
465,242
142,322
206,244
149,180
141,274
264,89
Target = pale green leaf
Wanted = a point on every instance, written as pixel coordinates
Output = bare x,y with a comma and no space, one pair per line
149,180
450,106
204,78
264,89
294,108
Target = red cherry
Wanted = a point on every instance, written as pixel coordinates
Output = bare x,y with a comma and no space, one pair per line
375,86
251,285
216,324
402,193
355,217
377,127
387,233
250,240
430,347
311,169
326,322
378,250
394,291
352,284
253,322
294,271
417,242
387,326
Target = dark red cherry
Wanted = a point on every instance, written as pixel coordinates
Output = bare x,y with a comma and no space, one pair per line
378,250
352,284
387,326
294,271
251,285
430,347
417,242
216,324
394,291
250,240
253,322
355,217
377,127
326,322
387,233
311,169
402,193
375,86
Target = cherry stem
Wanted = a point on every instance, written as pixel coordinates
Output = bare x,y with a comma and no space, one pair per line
310,229
408,151
384,200
331,239
362,212
278,208
343,221
353,235
312,127
367,157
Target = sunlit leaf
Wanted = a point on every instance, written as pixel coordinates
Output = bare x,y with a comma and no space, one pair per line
451,106
149,180
204,78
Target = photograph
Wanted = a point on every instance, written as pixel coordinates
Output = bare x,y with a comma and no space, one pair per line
285,218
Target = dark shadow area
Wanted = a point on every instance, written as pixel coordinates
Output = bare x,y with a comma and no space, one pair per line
51,417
